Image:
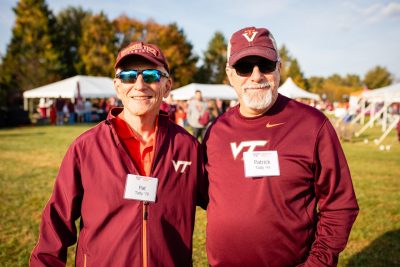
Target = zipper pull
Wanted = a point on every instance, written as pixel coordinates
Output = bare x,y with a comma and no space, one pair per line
145,212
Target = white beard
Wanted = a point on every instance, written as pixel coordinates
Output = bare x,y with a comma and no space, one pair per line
259,99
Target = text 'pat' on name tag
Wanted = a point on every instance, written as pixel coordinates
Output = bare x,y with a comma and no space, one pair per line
141,188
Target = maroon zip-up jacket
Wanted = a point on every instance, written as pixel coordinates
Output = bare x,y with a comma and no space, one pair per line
90,185
302,216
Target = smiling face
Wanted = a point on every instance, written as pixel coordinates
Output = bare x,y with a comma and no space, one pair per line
140,98
256,91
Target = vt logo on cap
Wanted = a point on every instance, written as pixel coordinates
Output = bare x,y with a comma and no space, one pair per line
250,35
256,42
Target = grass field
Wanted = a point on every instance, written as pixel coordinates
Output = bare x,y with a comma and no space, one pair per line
30,157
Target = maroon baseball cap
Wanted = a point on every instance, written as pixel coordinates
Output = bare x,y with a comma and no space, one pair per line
148,51
252,41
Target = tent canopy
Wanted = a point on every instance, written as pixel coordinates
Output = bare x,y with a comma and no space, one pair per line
391,92
210,91
89,87
291,90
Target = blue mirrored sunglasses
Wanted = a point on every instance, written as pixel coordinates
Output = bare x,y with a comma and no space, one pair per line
149,76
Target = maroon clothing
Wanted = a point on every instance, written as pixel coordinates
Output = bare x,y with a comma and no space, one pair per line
274,221
90,185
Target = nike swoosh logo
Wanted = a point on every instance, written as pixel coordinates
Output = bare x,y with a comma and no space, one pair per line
270,125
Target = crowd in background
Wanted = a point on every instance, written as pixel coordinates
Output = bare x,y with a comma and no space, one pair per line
195,114
62,111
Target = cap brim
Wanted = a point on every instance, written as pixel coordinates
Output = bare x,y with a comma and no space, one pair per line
264,52
131,56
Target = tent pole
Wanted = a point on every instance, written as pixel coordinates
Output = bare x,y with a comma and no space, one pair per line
372,114
363,106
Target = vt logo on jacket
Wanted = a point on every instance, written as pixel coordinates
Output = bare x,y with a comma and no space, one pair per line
180,163
250,144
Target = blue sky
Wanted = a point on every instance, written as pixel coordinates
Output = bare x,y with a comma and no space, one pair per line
326,37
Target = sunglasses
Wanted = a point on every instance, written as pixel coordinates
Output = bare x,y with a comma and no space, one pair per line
245,69
149,76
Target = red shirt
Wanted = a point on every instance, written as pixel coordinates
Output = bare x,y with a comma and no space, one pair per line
140,151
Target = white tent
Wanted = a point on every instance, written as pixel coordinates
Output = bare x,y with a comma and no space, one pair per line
89,87
209,91
391,92
378,102
291,90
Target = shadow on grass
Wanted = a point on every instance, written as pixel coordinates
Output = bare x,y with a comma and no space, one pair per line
383,251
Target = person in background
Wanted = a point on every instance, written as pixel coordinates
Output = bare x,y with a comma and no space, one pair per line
133,180
71,111
60,102
196,108
52,112
42,108
169,106
180,113
279,185
88,110
80,110
213,110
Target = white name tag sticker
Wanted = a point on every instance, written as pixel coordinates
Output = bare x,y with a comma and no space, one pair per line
261,163
141,188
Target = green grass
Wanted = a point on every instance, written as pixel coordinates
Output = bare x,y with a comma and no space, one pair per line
30,157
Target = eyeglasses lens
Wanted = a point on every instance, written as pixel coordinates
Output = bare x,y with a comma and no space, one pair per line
149,76
246,68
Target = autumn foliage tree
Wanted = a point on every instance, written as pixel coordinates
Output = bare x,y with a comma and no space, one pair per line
378,77
97,48
171,40
31,59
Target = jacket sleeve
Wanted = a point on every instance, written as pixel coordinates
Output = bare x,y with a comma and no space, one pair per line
202,181
57,228
337,204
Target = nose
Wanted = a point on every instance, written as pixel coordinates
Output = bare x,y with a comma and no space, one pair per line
256,75
140,83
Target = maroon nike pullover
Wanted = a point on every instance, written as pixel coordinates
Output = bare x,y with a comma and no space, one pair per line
303,216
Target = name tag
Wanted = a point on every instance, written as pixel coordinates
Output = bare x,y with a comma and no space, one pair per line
261,163
141,188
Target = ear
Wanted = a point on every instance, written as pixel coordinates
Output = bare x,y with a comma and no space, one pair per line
229,72
117,84
279,66
168,86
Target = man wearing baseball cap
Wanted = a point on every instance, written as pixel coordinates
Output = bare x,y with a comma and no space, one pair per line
279,186
133,180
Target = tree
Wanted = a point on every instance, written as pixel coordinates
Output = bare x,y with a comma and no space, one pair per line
378,77
69,35
296,74
285,62
97,48
315,84
337,88
353,80
31,59
213,68
128,30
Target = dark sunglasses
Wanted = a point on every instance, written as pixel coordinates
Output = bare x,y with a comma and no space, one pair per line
149,76
245,69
